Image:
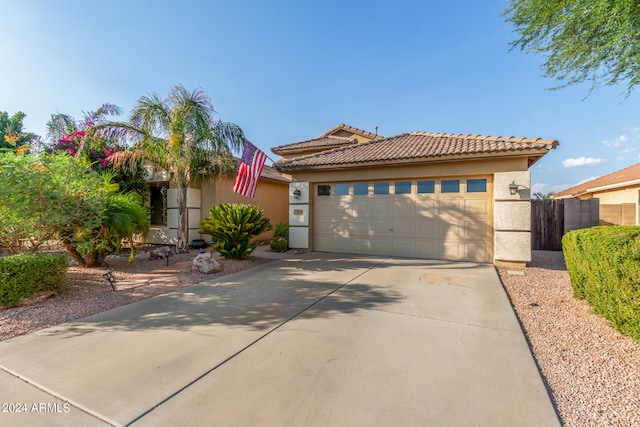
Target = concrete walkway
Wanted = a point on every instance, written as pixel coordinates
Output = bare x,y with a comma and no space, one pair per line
313,340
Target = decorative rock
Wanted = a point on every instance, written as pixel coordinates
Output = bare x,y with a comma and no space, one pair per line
205,263
158,253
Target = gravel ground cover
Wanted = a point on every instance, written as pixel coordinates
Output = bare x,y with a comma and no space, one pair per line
89,293
592,372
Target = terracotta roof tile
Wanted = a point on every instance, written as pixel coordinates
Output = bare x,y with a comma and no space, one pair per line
325,141
322,142
632,173
415,146
354,130
272,173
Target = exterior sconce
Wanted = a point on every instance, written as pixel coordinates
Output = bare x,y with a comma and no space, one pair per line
513,188
296,193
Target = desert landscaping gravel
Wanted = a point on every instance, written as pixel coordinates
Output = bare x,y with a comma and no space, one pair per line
592,372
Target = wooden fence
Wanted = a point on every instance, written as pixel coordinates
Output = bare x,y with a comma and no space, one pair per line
551,219
547,225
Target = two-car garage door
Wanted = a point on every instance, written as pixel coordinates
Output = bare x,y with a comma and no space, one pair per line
447,219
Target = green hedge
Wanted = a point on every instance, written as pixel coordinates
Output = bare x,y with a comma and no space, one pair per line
604,267
23,275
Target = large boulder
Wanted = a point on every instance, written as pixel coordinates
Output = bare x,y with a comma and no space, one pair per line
205,263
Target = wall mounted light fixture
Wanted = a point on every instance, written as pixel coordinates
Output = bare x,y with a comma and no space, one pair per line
296,193
513,188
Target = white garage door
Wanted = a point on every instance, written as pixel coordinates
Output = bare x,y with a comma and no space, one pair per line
447,219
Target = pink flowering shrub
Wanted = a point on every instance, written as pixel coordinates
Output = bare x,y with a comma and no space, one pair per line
73,142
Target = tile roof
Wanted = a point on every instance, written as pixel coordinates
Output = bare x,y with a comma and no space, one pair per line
342,126
270,172
322,142
615,179
415,146
325,141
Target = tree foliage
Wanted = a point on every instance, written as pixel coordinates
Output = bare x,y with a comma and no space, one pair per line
595,41
180,135
232,227
12,135
55,196
71,136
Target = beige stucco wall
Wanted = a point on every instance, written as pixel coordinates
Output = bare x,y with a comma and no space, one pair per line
435,169
512,218
618,196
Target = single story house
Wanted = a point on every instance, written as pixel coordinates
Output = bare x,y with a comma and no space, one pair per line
416,194
271,195
618,194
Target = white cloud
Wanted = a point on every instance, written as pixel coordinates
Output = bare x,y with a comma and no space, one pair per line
539,187
587,180
622,139
628,150
583,161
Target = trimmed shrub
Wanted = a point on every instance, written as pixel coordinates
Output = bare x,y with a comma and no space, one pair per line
279,244
282,230
23,275
232,227
604,267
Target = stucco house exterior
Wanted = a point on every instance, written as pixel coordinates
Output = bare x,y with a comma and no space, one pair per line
618,194
416,194
271,195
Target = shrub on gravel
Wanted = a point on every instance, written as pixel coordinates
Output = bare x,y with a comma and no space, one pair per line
604,267
23,275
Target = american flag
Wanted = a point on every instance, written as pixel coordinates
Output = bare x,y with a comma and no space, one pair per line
249,170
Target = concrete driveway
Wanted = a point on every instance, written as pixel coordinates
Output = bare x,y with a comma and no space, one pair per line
315,340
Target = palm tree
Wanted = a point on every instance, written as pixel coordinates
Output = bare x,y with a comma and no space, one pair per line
180,135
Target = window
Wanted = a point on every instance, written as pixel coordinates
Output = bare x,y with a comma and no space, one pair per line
450,185
361,188
403,187
426,187
158,205
342,189
380,188
476,186
324,190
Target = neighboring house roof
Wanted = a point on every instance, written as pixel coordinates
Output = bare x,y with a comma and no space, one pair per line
352,130
270,172
415,147
621,178
327,140
322,142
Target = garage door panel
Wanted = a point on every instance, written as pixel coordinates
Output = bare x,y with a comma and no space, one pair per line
382,228
429,249
451,209
477,251
477,208
404,247
381,207
404,228
360,207
404,207
427,208
429,229
360,227
454,226
474,230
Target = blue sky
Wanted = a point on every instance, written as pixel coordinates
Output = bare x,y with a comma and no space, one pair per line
286,71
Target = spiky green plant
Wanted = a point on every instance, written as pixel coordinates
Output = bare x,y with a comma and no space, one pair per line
232,228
